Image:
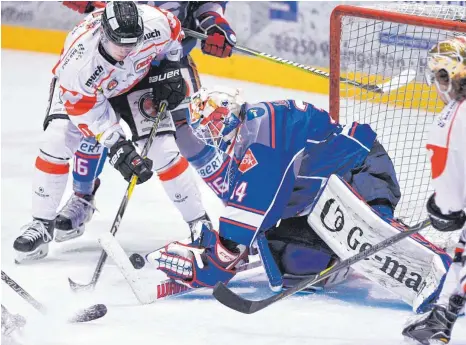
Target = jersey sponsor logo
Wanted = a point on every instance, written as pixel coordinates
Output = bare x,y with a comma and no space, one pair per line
92,24
152,35
143,63
112,84
333,219
166,75
248,162
97,73
255,112
211,167
90,148
76,103
75,53
446,114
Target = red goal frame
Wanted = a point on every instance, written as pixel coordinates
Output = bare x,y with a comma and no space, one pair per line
335,36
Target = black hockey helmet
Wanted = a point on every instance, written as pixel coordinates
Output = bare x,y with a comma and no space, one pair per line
122,24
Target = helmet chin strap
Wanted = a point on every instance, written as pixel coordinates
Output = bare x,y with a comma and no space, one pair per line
446,93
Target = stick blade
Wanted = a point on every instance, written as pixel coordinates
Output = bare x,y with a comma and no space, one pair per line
231,300
76,287
403,79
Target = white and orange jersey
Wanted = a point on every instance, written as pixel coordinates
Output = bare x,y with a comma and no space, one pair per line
447,144
86,80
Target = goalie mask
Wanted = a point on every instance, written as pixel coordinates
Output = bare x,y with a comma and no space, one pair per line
215,116
446,68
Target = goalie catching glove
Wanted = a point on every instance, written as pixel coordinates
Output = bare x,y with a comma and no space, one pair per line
128,162
444,222
201,263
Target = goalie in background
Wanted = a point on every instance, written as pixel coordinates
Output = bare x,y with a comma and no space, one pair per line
446,69
271,162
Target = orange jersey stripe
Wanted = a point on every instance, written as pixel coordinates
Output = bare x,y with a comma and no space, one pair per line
52,168
175,170
439,157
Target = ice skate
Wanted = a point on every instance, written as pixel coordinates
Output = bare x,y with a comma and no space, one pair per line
33,243
72,218
435,327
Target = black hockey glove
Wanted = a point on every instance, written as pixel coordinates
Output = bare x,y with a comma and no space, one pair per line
449,222
125,159
168,84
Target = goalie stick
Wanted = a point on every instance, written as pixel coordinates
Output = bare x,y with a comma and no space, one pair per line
165,288
402,79
124,203
245,306
89,314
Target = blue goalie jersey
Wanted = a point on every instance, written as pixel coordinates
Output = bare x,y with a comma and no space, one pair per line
285,152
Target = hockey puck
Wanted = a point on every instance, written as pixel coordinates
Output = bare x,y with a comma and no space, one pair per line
89,314
137,261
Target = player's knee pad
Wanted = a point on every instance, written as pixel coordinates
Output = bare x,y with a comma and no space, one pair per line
60,140
297,249
164,152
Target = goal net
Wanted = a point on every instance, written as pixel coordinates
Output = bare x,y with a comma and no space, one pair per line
375,46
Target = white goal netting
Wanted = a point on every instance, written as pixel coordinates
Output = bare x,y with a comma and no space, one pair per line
376,51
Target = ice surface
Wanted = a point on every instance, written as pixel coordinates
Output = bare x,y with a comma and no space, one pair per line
355,313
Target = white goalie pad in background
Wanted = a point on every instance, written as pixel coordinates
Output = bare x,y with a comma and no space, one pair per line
413,268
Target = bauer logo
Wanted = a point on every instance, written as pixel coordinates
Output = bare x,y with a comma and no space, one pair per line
167,75
98,71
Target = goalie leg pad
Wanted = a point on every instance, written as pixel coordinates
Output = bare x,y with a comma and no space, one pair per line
413,269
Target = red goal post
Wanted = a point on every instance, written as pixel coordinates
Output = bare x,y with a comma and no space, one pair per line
373,46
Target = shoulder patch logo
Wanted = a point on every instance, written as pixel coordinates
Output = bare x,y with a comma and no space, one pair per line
248,162
112,84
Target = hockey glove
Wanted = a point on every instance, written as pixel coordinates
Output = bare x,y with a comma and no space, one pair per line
128,162
221,37
202,263
80,6
168,84
444,222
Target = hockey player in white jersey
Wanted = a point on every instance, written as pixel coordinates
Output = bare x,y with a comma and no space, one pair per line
446,143
106,55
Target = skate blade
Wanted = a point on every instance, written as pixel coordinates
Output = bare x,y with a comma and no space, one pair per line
66,235
39,253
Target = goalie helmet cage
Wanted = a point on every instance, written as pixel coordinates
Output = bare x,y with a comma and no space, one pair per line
371,45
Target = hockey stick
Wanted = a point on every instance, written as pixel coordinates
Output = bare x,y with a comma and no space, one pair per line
396,82
245,306
164,289
85,315
121,211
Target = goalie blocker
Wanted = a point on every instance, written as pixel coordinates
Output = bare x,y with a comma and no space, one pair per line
414,269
